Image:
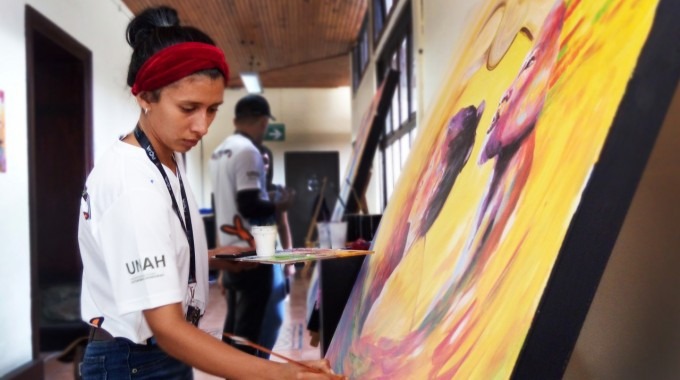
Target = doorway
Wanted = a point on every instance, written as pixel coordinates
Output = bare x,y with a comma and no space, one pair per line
305,172
59,88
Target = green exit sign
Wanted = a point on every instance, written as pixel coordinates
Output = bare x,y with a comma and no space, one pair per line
275,132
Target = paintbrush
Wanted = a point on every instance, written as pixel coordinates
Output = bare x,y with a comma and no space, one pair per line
243,341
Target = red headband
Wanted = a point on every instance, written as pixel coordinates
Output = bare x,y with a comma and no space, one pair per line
176,62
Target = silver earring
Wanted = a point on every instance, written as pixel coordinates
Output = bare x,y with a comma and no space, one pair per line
146,111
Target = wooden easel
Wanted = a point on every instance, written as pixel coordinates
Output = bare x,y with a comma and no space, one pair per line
312,223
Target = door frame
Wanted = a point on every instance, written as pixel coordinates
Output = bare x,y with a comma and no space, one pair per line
36,23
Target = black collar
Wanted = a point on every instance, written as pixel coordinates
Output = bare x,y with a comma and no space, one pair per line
248,137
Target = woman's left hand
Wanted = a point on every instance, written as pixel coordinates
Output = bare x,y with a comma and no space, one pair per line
229,265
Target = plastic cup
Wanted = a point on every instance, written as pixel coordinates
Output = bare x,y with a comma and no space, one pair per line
338,232
265,239
324,232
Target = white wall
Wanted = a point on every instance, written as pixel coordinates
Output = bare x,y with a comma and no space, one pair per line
315,120
15,312
100,26
438,33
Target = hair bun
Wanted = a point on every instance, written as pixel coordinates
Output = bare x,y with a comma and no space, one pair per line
143,25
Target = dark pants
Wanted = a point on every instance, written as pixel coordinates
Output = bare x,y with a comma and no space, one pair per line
248,294
122,359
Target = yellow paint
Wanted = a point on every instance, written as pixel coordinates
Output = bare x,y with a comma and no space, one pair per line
597,62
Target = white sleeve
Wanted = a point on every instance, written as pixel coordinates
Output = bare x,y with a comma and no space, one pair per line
249,170
140,251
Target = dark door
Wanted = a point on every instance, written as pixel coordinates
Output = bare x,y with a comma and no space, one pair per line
59,146
305,172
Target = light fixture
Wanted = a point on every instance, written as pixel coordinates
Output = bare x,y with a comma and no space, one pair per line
251,81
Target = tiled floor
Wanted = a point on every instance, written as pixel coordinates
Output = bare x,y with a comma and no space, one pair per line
293,342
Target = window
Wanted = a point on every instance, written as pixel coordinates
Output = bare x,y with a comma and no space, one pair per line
381,12
400,121
360,54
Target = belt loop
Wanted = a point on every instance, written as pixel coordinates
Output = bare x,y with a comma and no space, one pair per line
95,323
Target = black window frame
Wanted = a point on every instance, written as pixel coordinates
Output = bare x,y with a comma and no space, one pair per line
360,55
381,17
391,137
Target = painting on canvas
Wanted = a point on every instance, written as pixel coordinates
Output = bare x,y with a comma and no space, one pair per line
503,165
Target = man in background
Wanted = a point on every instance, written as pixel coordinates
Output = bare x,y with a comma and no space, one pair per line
281,284
242,201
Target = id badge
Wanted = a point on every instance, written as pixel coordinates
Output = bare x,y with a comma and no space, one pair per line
194,307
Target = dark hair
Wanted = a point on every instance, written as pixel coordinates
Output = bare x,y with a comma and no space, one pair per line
155,29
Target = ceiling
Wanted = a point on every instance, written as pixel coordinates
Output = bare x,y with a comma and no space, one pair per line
290,43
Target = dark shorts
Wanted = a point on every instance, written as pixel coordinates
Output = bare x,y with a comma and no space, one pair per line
122,359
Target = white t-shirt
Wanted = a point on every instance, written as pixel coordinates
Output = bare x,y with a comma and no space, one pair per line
135,253
234,166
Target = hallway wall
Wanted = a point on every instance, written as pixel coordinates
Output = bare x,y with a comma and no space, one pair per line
100,26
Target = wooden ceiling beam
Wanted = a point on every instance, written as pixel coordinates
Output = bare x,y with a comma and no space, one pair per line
292,43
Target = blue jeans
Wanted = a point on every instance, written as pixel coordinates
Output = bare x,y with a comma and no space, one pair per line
254,306
122,359
273,316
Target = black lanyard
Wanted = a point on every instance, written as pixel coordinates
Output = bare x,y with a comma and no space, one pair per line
188,231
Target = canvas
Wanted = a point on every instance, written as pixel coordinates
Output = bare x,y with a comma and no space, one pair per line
517,156
356,174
